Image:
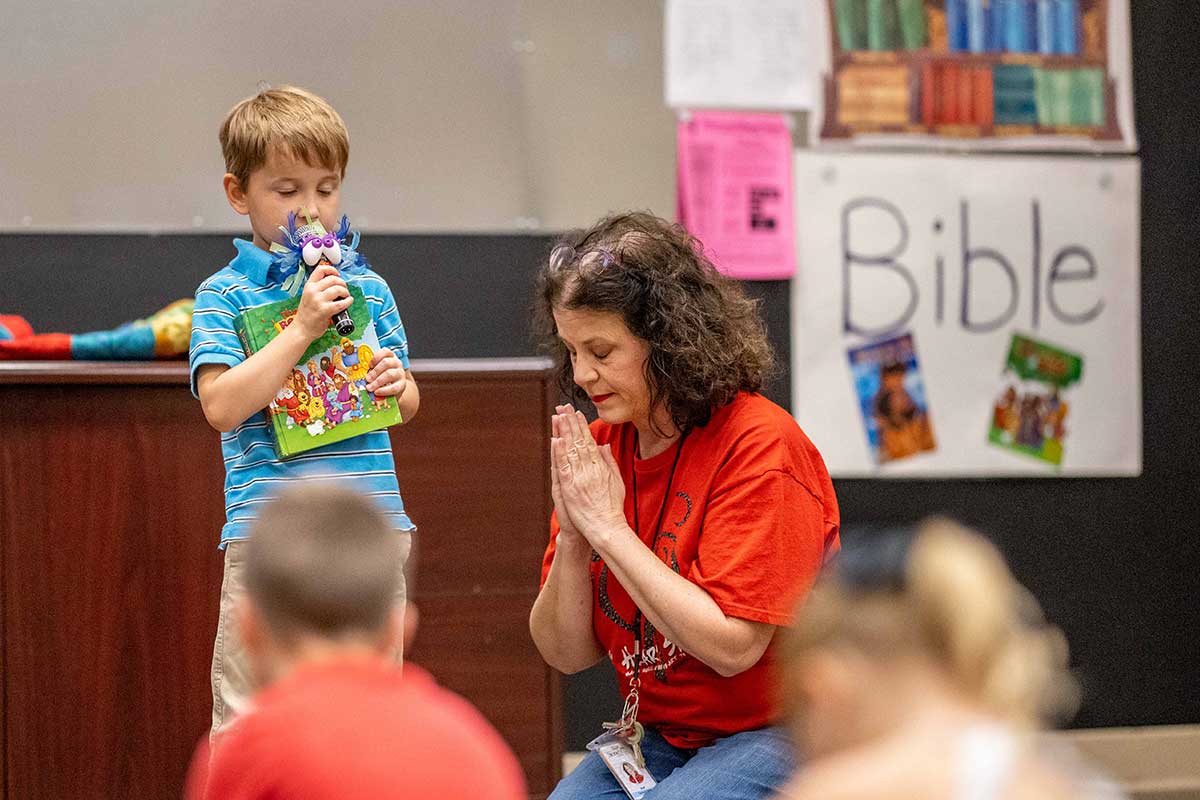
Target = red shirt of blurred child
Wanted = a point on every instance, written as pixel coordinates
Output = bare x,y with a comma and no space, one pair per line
358,729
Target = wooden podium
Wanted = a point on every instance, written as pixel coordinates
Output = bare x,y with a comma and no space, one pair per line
111,505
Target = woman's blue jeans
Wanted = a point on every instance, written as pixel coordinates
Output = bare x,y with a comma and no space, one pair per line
746,766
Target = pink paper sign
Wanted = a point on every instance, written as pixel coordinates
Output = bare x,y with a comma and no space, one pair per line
735,191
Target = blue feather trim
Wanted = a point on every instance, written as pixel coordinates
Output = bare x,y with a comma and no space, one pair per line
285,266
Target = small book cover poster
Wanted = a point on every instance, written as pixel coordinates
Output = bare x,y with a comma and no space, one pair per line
891,394
325,399
1029,415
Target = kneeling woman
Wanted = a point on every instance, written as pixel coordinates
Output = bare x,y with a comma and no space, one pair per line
688,520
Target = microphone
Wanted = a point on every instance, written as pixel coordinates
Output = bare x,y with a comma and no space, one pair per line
321,250
342,323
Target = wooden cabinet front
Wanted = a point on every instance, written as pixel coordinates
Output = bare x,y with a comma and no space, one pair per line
110,508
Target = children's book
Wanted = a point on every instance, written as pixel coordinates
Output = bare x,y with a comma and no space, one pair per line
1030,412
892,398
325,398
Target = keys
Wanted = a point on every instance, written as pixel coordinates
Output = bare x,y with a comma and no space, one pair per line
632,733
634,738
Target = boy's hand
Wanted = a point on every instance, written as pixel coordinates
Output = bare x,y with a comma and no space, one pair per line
386,377
325,294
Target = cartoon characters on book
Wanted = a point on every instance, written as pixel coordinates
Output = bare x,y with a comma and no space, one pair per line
346,357
1030,417
328,371
326,391
357,363
313,377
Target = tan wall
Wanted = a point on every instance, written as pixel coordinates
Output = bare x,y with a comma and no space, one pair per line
465,115
1151,763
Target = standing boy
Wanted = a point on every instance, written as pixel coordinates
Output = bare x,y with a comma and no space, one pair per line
285,153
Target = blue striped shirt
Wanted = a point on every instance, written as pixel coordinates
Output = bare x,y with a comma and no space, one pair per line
252,472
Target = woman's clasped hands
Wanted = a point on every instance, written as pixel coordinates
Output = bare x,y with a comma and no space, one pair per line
585,482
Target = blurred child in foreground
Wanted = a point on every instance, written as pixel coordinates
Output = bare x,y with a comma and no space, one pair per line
920,668
337,719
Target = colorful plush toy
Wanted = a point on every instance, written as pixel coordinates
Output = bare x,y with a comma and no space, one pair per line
167,332
164,334
308,244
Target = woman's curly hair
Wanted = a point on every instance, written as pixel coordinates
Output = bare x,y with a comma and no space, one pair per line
707,340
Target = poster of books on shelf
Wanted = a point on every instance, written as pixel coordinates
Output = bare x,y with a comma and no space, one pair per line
968,317
976,74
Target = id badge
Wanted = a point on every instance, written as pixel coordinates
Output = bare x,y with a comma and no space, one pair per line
617,754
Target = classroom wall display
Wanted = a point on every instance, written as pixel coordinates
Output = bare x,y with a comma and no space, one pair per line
752,54
976,74
734,185
968,317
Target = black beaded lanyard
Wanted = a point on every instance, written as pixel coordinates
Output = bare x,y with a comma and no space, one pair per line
639,620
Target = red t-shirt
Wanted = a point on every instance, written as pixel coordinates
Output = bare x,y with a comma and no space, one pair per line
751,518
355,729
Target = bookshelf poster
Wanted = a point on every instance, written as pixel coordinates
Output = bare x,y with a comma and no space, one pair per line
735,191
976,74
1001,296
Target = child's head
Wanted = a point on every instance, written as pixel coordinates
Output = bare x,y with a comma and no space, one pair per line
323,568
285,151
913,609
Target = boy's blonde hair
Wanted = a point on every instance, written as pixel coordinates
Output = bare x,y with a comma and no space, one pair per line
296,120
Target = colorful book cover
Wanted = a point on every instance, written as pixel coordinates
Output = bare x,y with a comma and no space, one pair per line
891,395
325,399
1030,412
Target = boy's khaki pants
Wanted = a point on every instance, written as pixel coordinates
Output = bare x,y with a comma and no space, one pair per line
233,681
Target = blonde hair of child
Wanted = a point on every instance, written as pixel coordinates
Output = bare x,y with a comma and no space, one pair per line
287,117
961,607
